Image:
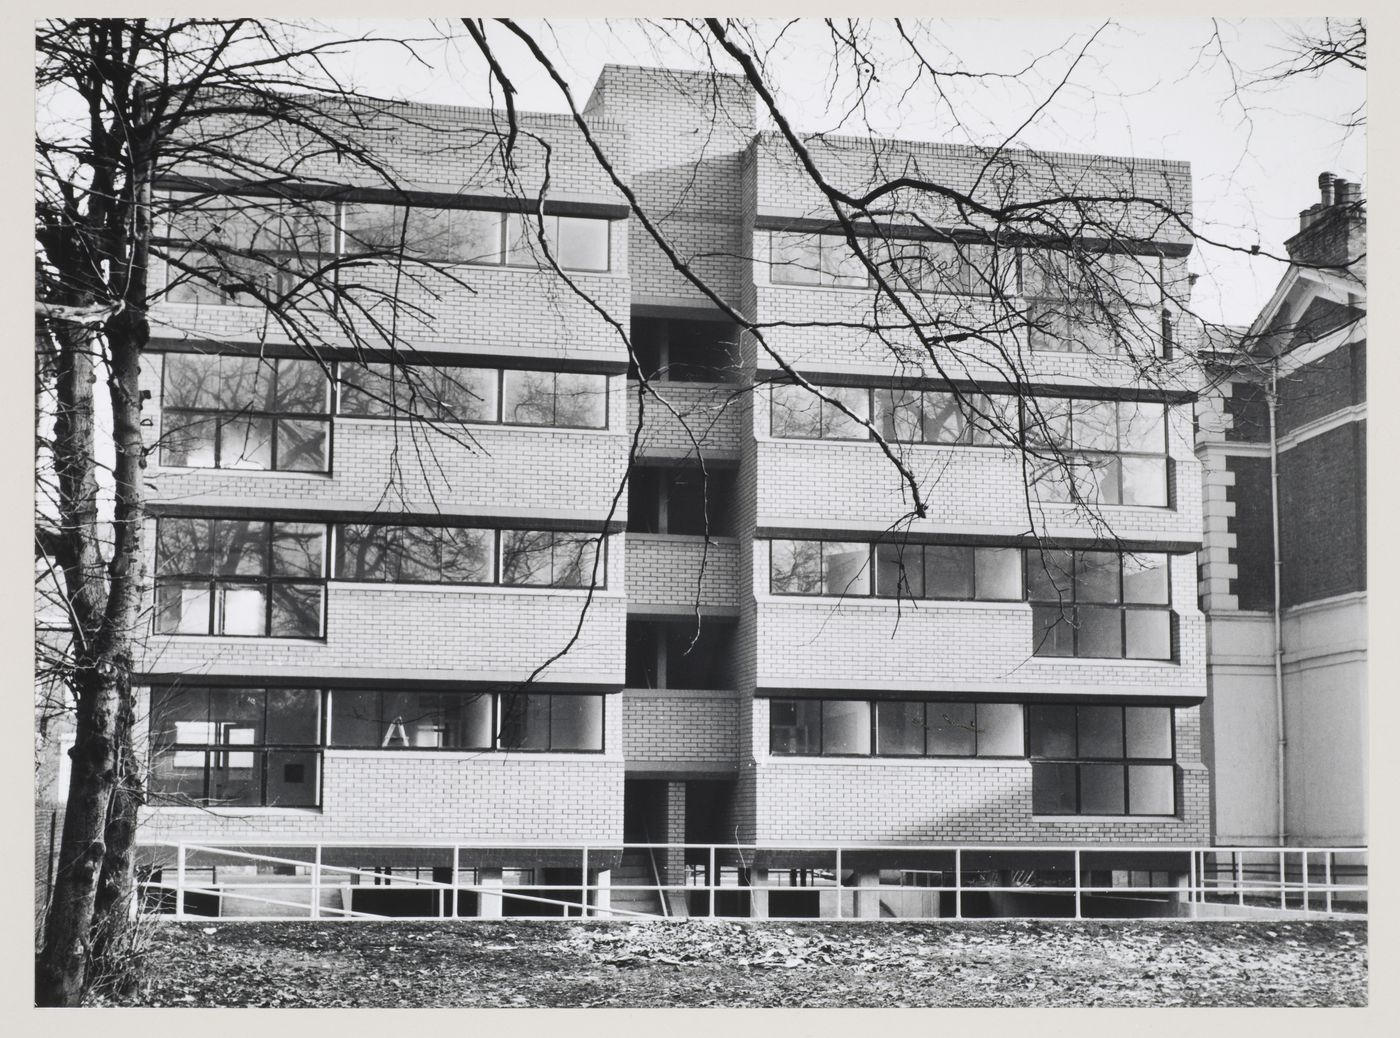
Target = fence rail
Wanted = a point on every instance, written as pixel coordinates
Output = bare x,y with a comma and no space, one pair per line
292,879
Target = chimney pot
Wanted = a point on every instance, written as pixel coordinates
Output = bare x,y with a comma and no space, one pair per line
1325,182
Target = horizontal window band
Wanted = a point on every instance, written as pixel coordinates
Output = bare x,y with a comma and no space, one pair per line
853,380
166,680
967,235
1013,698
425,358
222,510
597,209
975,540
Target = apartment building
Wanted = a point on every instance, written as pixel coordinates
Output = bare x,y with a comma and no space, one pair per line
1282,441
363,561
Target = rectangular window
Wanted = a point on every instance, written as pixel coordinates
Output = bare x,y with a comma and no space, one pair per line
1101,303
1100,604
894,728
244,412
943,417
799,413
252,578
948,571
379,553
819,568
420,720
551,558
429,392
1098,452
1101,760
675,349
235,747
562,399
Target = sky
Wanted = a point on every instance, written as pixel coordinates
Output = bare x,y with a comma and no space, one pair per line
1186,89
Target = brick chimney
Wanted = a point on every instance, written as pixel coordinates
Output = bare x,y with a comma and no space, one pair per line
1332,231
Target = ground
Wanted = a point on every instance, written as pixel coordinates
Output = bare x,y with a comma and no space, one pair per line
705,963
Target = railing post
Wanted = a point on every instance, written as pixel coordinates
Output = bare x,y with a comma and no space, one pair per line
1194,870
1239,886
957,883
1307,901
710,878
180,882
839,892
1078,888
456,871
1282,880
1327,874
587,891
316,884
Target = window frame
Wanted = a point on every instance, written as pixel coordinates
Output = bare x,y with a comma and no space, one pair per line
1063,466
266,580
1127,763
873,722
872,568
963,280
220,416
1069,603
262,749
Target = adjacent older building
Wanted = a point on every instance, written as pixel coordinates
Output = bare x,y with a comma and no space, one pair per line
1283,443
365,559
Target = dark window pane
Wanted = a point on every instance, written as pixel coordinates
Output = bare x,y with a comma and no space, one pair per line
526,557
414,720
796,567
419,557
795,726
182,607
476,236
238,546
899,729
370,390
1149,634
245,382
293,716
796,413
245,442
998,573
241,609
1049,575
1051,480
1101,789
708,663
176,776
836,424
1050,730
583,243
1054,630
796,259
1095,425
952,729
1142,427
468,556
1096,576
355,719
944,419
1100,731
467,721
999,731
1053,789
992,418
899,414
366,552
296,610
1149,731
302,387
1100,631
846,726
845,568
371,227
293,778
188,439
576,723
1145,579
179,714
575,555
581,401
948,571
1045,422
190,380
298,549
1151,789
899,570
1145,481
461,394
529,398
525,722
181,546
1097,478
235,778
302,446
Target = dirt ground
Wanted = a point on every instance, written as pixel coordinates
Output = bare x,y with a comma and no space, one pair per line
807,964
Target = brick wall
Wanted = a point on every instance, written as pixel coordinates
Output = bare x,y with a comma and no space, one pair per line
688,413
1322,512
665,570
681,727
1252,526
1329,384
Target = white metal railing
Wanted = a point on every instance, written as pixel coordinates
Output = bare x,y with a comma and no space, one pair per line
839,880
